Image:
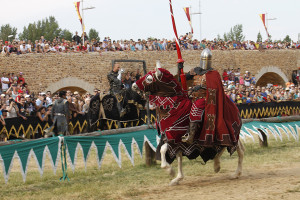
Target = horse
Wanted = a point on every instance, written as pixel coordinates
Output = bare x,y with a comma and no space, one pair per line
173,108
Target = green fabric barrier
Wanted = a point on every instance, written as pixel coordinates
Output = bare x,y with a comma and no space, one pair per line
114,142
25,150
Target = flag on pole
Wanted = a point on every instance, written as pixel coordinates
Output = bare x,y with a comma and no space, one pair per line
187,12
77,4
263,18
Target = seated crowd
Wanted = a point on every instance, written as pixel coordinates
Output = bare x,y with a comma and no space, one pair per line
78,44
241,89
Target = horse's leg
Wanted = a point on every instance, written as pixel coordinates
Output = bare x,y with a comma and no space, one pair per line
180,176
217,166
164,164
240,151
163,151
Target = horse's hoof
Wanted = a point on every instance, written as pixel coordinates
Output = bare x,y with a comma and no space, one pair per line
173,183
236,175
217,169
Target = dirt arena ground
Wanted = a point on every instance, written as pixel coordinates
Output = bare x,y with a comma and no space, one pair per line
272,183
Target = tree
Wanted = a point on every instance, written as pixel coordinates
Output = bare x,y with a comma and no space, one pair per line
48,28
93,34
259,37
66,34
235,33
6,30
225,37
287,39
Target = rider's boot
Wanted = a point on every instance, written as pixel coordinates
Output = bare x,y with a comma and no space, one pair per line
190,134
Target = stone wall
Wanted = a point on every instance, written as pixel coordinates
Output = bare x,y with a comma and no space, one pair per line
88,71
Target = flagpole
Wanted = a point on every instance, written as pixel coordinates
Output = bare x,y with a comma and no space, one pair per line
82,22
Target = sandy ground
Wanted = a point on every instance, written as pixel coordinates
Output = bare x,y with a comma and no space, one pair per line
275,182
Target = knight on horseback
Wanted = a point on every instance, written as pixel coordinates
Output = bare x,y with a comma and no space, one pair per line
203,126
198,93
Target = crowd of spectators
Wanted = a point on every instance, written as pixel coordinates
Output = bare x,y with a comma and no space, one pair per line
16,100
84,44
240,88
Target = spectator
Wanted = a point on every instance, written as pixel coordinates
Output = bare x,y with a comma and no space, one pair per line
21,78
31,106
247,79
42,114
2,118
22,109
4,82
41,101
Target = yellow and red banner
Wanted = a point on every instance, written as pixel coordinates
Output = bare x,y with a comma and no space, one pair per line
77,5
263,19
187,12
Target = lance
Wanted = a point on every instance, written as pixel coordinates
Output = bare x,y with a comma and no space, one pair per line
180,61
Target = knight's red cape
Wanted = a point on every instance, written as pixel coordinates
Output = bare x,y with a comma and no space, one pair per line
222,121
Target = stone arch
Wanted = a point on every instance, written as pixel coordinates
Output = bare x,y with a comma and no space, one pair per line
71,82
272,75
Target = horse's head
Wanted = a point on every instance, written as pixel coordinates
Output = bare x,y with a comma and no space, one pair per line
159,83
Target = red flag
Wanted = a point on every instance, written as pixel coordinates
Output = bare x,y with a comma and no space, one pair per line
263,19
77,4
187,12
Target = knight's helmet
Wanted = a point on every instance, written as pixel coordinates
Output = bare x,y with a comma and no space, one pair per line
206,59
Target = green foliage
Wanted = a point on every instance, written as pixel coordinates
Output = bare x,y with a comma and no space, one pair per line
48,28
7,30
93,34
287,39
66,34
235,33
259,37
225,37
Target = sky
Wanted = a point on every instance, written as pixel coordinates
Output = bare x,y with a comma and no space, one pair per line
134,19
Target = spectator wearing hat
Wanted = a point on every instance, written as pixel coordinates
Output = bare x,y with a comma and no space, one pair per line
286,93
41,100
19,95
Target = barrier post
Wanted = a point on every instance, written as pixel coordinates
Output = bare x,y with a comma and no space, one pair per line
149,155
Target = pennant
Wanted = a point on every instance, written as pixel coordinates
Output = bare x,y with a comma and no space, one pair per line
263,19
77,5
187,12
101,148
